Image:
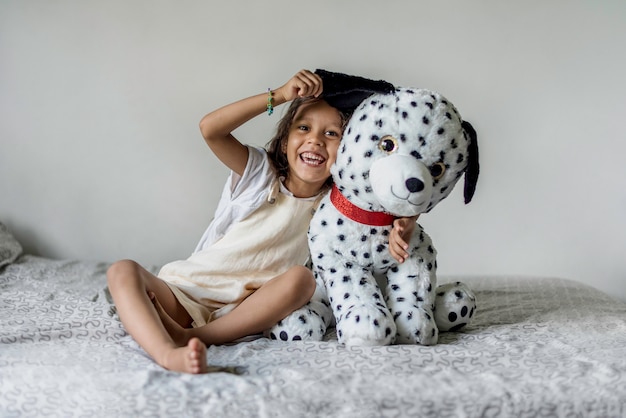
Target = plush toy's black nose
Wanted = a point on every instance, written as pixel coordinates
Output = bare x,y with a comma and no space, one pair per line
414,185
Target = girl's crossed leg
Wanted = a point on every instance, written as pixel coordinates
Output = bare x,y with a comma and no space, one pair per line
158,322
130,284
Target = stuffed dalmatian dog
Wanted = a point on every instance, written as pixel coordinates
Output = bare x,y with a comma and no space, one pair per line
402,152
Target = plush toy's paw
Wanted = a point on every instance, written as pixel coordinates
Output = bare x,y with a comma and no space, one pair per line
455,305
365,325
416,326
307,323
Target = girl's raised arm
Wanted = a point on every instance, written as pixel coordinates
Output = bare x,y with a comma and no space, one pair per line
216,127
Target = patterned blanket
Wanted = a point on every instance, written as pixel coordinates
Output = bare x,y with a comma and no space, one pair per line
538,347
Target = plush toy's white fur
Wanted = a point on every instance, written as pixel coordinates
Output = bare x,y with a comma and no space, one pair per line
401,154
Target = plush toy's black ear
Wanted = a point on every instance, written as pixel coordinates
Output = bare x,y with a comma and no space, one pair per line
346,92
473,168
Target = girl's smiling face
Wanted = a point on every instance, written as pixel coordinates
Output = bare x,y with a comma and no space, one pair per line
311,147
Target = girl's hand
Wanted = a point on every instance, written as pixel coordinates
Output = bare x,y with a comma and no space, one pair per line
303,84
400,235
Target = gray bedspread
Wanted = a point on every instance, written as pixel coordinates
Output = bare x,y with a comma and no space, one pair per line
538,347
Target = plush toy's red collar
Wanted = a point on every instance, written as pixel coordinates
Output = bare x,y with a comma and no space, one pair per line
357,214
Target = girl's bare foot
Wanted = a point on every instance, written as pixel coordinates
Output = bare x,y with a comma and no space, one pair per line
188,359
190,356
179,334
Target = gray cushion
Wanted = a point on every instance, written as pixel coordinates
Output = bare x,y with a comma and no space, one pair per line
10,249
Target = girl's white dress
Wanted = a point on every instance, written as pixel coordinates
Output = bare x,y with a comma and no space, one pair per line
248,253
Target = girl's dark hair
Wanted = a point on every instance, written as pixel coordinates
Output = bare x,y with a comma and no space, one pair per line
275,147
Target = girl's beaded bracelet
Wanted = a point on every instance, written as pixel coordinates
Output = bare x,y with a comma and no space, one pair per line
270,102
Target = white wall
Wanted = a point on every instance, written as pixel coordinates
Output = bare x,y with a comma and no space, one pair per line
101,158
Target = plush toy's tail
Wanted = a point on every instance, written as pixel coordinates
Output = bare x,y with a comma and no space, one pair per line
473,168
346,92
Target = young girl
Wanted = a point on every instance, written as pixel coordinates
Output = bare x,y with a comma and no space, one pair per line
247,272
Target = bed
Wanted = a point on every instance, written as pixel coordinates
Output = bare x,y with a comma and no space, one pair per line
537,347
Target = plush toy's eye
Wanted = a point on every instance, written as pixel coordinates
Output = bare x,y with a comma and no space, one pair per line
388,144
437,170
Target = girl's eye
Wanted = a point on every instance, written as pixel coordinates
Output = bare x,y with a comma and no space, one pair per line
437,170
332,133
303,128
388,144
